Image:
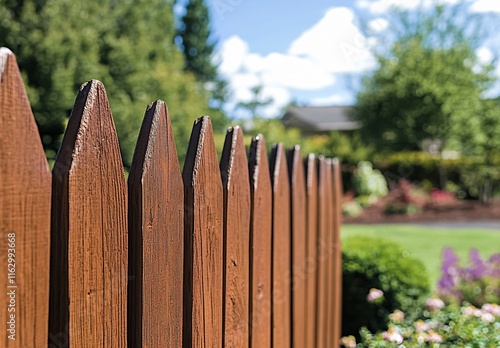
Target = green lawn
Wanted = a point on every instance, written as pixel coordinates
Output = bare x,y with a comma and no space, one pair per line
425,243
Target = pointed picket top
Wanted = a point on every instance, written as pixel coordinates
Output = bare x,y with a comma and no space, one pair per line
299,245
312,240
25,192
88,295
260,244
281,313
236,185
156,235
203,246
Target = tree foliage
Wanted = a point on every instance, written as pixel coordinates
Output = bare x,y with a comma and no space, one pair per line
430,84
129,46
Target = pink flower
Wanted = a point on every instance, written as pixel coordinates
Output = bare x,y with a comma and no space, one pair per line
492,308
487,317
374,295
434,337
421,326
397,316
392,336
468,311
348,342
434,303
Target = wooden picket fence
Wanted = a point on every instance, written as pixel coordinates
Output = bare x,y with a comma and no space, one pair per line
241,253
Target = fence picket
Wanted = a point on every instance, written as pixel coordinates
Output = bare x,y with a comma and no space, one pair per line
89,229
331,252
203,245
25,193
281,253
322,290
312,243
299,246
236,187
337,220
156,235
260,244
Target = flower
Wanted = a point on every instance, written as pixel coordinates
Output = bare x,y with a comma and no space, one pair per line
434,337
469,311
434,303
392,336
421,326
374,295
349,341
492,308
487,317
397,316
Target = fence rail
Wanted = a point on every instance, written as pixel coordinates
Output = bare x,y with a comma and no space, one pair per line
244,252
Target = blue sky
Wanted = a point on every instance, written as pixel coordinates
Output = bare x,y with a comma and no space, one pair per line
312,52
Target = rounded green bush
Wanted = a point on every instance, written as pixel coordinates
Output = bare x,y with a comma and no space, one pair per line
370,263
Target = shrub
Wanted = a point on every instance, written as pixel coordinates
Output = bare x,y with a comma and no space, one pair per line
451,326
369,182
477,283
403,199
352,209
369,264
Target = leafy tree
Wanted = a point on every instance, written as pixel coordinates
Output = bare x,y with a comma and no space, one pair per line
198,46
429,84
129,46
256,103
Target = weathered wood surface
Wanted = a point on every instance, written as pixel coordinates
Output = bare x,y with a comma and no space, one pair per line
299,246
281,269
236,188
312,242
330,253
156,235
337,221
322,290
260,244
88,293
203,245
25,193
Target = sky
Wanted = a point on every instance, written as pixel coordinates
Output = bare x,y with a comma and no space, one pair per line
311,52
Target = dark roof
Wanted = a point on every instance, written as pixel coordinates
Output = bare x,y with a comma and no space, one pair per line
319,119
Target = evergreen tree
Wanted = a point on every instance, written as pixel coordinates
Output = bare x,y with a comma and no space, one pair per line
129,46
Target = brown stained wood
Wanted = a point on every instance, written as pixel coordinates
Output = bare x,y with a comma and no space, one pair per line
260,244
236,187
156,235
203,240
281,258
331,253
299,246
88,270
322,300
337,221
311,261
25,215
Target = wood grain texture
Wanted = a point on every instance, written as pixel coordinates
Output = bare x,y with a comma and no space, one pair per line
281,245
156,235
260,244
322,300
330,252
203,244
25,192
88,292
299,246
312,241
236,188
337,221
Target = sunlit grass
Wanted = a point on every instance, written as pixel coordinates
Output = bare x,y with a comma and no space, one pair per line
426,243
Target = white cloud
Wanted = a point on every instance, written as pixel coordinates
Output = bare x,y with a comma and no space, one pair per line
484,55
485,6
335,43
377,25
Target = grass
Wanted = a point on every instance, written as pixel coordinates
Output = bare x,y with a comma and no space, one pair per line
426,243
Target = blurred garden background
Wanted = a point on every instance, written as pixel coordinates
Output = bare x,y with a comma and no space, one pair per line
405,93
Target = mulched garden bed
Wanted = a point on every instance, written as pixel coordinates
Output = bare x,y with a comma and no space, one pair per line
462,210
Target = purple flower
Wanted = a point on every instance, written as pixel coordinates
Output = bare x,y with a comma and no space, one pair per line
449,270
478,268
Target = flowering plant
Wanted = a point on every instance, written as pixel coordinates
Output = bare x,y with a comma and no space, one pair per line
450,326
476,283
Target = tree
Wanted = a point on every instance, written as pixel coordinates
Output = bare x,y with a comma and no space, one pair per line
429,84
256,103
198,46
129,46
